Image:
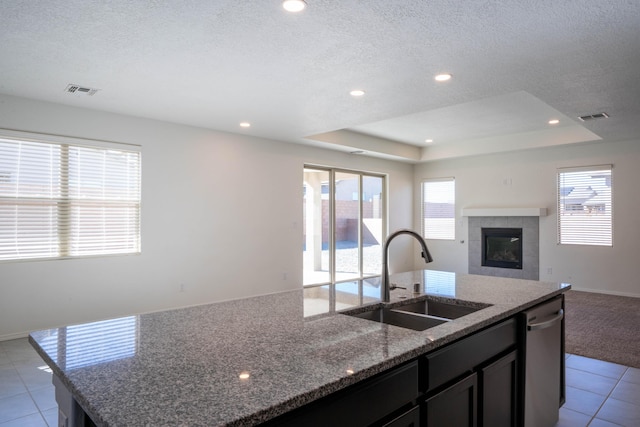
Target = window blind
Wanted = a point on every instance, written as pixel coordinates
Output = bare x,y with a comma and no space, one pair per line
438,209
65,200
585,206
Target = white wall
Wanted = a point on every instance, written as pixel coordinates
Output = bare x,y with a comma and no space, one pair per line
200,225
480,182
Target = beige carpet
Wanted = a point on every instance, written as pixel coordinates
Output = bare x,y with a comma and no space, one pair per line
605,327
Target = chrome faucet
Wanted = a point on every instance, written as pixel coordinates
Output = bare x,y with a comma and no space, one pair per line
386,287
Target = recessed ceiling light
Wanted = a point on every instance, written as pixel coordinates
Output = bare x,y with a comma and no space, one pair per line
245,125
428,140
294,6
443,77
244,375
357,92
554,121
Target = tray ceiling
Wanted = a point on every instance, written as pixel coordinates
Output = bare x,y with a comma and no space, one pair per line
217,63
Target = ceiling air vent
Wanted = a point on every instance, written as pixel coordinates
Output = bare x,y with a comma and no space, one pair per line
80,90
593,117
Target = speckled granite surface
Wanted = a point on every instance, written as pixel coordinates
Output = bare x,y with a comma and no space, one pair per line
186,366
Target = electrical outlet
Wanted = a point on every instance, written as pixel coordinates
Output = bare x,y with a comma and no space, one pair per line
183,288
549,271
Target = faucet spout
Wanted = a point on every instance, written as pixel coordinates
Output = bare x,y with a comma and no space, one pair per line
386,295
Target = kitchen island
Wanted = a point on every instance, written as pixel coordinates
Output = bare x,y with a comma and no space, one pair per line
259,359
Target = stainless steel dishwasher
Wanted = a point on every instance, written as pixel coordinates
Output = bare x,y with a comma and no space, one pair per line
544,361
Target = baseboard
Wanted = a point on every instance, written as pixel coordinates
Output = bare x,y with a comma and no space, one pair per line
14,336
599,291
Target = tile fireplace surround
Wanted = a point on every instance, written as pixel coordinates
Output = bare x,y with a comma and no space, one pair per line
530,245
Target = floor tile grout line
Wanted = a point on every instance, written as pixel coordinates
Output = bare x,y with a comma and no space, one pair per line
609,397
600,375
587,390
610,422
583,413
602,362
28,392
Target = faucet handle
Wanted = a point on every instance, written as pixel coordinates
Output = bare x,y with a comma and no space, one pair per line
394,286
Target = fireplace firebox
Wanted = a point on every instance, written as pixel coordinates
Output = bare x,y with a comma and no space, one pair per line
502,247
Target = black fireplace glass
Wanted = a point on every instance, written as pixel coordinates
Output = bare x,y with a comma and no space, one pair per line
502,247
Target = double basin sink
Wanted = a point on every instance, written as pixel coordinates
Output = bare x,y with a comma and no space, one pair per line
420,315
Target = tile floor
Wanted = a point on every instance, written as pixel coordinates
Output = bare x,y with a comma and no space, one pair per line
599,394
26,393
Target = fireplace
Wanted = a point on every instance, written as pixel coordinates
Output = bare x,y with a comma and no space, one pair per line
529,252
502,247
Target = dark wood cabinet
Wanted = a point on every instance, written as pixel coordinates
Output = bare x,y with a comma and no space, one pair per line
498,401
474,381
455,406
411,418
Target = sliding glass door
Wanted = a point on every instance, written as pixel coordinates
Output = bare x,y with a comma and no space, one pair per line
344,224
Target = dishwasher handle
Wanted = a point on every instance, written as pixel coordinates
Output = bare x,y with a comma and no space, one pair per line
547,323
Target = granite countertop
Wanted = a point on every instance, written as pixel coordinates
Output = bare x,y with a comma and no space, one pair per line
246,361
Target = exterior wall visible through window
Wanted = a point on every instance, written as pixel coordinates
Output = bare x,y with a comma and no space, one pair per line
439,209
344,224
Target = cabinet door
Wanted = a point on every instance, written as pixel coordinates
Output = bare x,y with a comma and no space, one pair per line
455,406
498,397
411,418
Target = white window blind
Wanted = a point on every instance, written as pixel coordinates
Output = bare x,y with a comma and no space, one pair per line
65,200
438,209
585,207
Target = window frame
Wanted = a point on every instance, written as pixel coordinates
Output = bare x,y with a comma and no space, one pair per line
69,206
423,202
597,236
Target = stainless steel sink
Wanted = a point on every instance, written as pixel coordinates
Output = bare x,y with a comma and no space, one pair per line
440,308
394,317
420,315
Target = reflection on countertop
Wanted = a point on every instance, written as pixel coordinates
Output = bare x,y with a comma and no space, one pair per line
330,298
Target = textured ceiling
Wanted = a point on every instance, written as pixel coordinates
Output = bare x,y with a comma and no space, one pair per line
216,63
